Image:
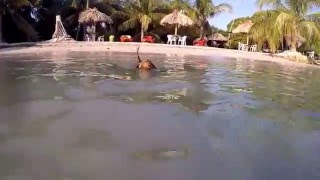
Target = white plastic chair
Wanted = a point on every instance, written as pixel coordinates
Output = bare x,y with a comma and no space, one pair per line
253,48
240,45
101,38
182,40
88,38
311,54
171,39
245,47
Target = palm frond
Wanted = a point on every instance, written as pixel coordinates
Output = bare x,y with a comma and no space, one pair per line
309,30
283,21
145,21
313,17
157,16
277,4
131,23
223,7
118,14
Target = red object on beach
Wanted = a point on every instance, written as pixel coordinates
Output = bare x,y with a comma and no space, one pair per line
148,39
126,38
200,42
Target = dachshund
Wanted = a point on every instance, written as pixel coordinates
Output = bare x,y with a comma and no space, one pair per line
145,64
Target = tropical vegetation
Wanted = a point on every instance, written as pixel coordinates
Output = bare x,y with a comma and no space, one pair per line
289,17
204,9
142,13
287,25
34,20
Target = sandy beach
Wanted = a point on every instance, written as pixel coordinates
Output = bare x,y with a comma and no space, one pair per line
74,46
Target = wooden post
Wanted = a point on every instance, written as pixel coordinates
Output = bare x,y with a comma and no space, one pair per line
94,31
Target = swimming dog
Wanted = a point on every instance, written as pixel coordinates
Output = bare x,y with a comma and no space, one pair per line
144,64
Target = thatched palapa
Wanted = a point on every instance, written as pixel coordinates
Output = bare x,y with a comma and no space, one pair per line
93,16
177,18
243,28
217,37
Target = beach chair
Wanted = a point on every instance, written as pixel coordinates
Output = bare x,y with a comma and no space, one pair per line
240,46
88,38
171,39
101,38
310,54
126,38
253,48
182,40
148,39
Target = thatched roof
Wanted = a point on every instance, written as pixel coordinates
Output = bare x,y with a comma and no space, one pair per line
217,37
243,28
177,17
91,16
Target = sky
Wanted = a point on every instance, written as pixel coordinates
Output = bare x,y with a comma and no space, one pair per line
241,8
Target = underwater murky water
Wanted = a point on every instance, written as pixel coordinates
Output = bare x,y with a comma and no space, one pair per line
85,116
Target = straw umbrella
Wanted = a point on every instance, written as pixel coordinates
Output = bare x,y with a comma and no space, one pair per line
178,19
244,28
93,16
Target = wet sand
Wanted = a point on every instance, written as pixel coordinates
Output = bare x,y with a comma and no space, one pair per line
59,49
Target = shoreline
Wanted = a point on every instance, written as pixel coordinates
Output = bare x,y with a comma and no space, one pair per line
130,47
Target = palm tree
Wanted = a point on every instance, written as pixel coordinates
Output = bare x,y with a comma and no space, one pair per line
180,4
289,17
11,7
204,9
142,12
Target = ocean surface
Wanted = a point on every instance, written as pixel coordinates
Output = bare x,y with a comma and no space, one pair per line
81,116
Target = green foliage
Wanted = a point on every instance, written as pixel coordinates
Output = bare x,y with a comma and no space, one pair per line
217,30
180,4
288,18
204,9
128,15
142,12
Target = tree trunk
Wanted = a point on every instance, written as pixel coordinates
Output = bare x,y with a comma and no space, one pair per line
87,5
0,27
142,32
293,46
201,30
94,31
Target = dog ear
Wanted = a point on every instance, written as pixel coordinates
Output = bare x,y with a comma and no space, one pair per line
152,66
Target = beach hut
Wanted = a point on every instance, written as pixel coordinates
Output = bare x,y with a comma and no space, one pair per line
217,39
243,28
92,16
177,18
